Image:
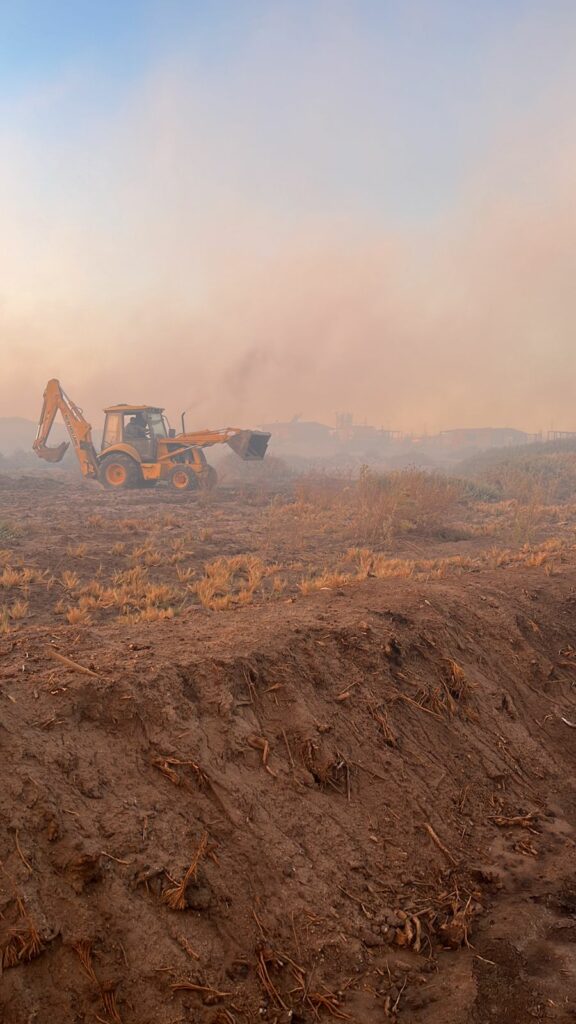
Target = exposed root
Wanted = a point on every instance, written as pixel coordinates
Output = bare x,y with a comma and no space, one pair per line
175,897
22,942
84,951
192,986
517,821
444,849
107,991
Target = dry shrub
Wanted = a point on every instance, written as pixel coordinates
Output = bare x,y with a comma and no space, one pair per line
404,501
538,474
319,489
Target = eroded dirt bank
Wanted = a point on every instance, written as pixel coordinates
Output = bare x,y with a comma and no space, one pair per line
360,806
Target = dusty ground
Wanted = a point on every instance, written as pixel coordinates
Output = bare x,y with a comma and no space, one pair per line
349,795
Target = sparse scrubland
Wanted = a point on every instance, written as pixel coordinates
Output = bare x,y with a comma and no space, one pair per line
131,559
536,474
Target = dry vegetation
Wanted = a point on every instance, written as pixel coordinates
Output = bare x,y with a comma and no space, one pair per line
137,559
533,475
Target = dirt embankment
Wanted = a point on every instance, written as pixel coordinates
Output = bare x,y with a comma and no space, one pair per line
357,807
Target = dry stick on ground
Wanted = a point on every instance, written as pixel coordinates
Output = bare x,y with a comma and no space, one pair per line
519,820
356,899
116,859
268,984
176,897
203,779
262,744
191,986
291,759
21,855
444,849
419,707
188,948
71,664
329,1002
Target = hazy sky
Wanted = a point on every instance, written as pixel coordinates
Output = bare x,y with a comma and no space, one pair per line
258,208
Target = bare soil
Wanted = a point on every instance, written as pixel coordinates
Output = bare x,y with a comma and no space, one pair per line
355,804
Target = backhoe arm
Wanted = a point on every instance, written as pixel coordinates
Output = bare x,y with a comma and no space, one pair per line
248,444
80,431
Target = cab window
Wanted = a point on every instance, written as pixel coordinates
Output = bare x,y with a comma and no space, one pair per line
112,430
157,424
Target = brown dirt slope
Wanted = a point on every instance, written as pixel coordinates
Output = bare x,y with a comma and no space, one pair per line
360,807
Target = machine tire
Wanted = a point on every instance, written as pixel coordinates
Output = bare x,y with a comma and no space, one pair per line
183,478
208,478
119,472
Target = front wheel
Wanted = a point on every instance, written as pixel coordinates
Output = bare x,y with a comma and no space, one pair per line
118,472
182,478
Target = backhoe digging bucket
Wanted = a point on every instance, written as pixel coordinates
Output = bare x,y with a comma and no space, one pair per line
250,444
52,454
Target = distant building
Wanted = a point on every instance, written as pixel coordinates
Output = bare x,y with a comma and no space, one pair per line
299,437
481,437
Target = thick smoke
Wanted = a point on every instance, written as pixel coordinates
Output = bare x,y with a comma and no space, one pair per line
243,240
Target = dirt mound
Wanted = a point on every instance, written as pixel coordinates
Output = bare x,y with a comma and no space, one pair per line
357,807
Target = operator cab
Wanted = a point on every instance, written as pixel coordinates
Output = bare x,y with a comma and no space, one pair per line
138,426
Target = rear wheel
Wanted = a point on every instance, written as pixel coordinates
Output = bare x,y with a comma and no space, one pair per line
182,478
118,472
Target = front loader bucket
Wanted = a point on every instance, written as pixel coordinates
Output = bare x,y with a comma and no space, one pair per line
52,454
250,444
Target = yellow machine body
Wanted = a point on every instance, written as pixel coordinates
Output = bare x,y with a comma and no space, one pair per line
138,447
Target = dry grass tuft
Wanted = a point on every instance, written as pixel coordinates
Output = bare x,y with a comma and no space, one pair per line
230,581
70,580
19,609
78,616
185,575
327,581
9,577
76,550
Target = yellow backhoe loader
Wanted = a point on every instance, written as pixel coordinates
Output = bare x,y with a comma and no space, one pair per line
138,447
